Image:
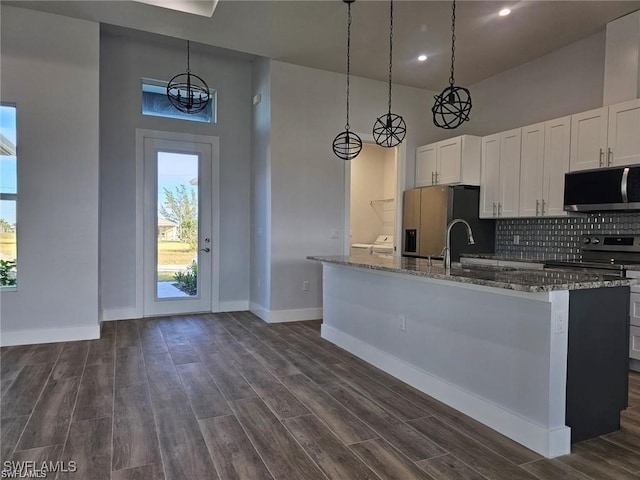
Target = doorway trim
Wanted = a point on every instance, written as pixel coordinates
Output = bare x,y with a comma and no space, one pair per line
141,134
401,182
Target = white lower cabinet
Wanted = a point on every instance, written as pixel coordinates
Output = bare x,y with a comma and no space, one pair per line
500,175
544,161
634,342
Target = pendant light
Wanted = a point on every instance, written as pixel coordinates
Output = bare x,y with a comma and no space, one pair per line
347,145
453,105
188,92
390,129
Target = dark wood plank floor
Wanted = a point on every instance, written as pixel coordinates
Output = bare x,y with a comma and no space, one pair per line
226,396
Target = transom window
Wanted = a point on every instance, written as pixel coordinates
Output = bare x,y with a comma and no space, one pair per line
156,103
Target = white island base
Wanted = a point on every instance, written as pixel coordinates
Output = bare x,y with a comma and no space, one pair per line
497,355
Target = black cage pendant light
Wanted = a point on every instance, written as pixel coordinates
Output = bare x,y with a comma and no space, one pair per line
347,144
452,107
390,129
188,92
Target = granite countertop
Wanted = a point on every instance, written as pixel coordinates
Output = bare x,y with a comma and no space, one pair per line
519,279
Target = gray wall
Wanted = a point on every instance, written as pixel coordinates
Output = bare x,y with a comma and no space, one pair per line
49,69
124,60
565,81
308,180
261,186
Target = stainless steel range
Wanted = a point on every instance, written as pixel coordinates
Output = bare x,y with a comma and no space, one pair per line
614,255
610,254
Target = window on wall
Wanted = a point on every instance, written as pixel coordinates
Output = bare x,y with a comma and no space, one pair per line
8,195
156,103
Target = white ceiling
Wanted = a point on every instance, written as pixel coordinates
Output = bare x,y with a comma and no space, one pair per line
313,33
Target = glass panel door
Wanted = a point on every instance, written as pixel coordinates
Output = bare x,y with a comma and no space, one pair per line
177,230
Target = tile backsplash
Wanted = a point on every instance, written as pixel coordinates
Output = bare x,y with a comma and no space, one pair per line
559,238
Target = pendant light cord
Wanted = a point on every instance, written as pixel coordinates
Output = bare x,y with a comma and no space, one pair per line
348,60
390,49
453,42
188,57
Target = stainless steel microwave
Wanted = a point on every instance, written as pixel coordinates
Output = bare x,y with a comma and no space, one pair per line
602,189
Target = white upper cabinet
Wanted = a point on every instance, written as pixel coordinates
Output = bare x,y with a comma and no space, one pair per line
456,160
544,161
606,137
588,139
531,169
624,134
557,142
490,176
426,165
500,175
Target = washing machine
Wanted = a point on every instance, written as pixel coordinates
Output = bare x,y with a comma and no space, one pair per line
383,245
361,248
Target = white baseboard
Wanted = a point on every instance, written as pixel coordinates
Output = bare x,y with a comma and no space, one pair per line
548,442
50,335
280,316
234,306
120,314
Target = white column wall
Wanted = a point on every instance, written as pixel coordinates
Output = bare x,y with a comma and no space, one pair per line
50,69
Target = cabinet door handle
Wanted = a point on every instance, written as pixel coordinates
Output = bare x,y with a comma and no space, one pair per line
542,209
494,209
601,158
499,209
537,207
436,178
432,181
609,156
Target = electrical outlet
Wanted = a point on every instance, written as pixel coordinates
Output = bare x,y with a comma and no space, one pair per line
516,239
561,321
403,323
305,286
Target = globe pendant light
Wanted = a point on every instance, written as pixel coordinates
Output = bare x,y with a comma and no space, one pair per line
188,92
453,105
390,129
347,144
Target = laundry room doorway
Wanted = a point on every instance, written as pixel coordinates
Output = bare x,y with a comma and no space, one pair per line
372,210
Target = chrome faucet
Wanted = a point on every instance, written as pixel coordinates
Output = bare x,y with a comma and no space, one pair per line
447,248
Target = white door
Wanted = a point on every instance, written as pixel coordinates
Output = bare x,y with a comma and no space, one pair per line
449,161
180,222
556,163
509,173
531,170
489,176
588,139
624,134
426,165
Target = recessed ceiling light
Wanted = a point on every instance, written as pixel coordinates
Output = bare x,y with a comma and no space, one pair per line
422,58
504,12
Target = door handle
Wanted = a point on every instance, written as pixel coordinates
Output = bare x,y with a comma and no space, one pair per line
432,180
499,208
609,156
601,158
436,178
206,249
494,209
537,207
542,210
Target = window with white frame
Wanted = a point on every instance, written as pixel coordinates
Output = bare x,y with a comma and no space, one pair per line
8,195
156,103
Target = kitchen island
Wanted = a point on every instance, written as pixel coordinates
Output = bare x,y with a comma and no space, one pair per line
539,355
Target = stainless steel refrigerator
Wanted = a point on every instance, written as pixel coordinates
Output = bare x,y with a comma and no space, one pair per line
428,211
